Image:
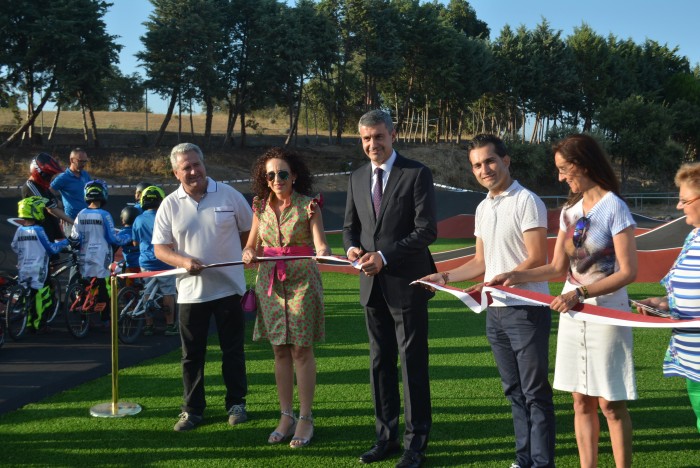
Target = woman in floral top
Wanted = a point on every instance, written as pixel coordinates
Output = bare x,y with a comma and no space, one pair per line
682,285
288,222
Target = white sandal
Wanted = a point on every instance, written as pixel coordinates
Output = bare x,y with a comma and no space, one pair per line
303,441
277,437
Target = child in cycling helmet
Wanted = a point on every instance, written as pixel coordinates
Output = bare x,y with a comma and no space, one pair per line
140,187
143,234
130,251
95,233
41,170
33,249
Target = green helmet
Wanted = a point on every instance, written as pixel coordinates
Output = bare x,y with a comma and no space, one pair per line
32,208
151,197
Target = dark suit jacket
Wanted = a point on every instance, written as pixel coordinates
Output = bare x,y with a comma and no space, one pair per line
404,229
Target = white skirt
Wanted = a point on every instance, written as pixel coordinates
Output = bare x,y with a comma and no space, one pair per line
595,359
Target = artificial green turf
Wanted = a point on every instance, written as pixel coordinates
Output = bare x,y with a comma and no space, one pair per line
472,425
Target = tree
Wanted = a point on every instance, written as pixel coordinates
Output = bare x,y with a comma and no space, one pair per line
639,133
50,47
176,31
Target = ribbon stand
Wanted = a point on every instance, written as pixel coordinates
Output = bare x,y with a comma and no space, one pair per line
115,409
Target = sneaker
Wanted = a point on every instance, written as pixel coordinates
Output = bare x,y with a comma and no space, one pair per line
514,465
172,329
237,414
148,330
187,422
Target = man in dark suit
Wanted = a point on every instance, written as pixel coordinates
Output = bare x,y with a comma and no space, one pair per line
389,224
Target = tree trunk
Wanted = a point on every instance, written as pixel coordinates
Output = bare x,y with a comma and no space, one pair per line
231,122
55,122
30,121
209,118
166,119
243,132
86,136
93,124
295,122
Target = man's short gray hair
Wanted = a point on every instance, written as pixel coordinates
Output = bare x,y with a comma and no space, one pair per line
184,148
376,117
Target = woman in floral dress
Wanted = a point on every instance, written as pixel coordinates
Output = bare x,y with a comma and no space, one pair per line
288,222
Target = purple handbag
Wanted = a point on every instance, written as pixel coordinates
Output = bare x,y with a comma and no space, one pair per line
249,304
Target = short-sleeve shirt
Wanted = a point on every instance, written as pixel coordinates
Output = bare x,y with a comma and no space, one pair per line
72,190
500,223
595,258
142,232
210,232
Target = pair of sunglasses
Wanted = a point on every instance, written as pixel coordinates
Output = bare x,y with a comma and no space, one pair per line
580,230
283,175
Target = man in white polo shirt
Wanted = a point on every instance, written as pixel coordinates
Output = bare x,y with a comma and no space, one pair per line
205,222
510,231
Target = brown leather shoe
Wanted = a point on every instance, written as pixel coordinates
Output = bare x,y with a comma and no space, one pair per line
381,450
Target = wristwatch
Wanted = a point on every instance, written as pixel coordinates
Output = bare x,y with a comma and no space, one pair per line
579,295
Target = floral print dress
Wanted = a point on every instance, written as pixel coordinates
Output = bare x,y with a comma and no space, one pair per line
290,311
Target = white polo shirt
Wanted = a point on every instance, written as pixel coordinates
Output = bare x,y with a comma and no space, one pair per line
210,232
500,222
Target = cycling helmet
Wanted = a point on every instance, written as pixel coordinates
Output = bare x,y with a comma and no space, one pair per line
96,190
129,214
151,197
42,168
32,208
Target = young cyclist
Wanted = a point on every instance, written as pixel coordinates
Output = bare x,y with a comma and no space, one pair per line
94,231
33,249
131,252
140,187
143,233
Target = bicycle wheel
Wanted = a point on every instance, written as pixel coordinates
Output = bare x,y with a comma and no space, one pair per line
77,320
7,280
16,312
129,325
52,313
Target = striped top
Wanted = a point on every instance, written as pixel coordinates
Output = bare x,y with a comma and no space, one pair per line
682,285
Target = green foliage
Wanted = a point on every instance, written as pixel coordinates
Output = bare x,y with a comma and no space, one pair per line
639,133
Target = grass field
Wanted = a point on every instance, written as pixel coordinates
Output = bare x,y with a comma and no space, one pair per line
472,424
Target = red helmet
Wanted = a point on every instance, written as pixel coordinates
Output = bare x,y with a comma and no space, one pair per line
43,168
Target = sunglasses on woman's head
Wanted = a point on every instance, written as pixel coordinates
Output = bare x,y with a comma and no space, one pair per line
580,230
283,175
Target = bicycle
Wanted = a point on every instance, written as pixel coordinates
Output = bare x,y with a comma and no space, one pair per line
55,284
134,305
81,306
18,306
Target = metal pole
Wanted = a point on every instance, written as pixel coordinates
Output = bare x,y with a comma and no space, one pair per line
114,409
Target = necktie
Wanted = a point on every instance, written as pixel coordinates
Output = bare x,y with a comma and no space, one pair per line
377,192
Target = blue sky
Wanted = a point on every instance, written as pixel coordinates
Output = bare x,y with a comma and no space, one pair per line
671,22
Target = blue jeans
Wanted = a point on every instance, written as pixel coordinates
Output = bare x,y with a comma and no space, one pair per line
519,338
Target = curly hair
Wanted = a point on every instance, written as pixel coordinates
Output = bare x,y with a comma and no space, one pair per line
303,183
585,152
689,174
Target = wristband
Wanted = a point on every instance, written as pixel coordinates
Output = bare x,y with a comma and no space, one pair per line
584,290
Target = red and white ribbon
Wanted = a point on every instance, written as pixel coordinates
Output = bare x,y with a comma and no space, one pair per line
478,301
